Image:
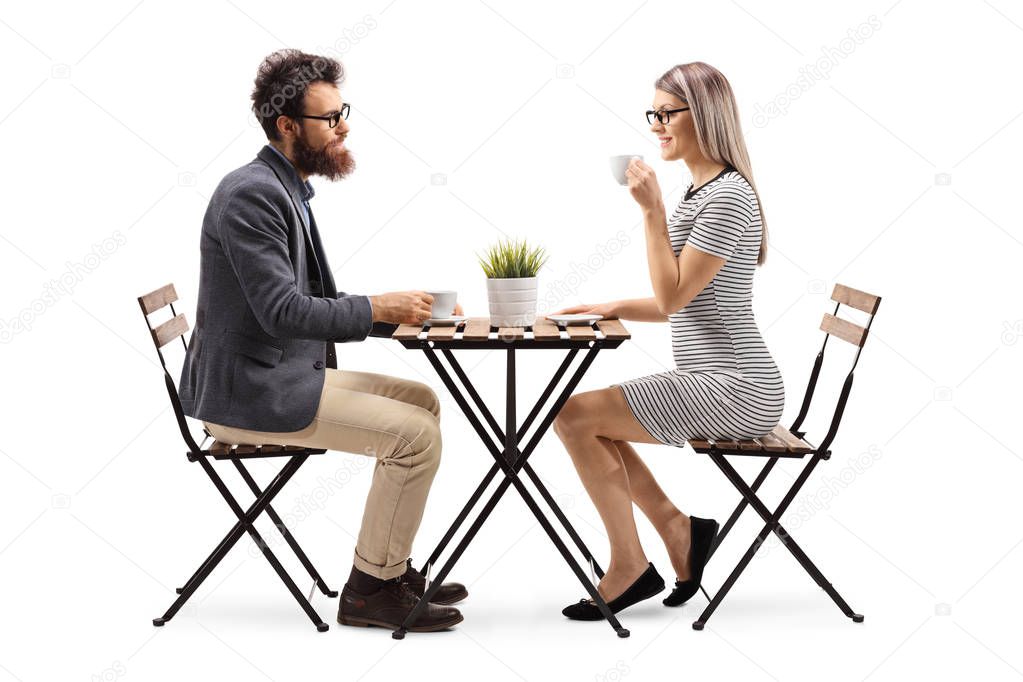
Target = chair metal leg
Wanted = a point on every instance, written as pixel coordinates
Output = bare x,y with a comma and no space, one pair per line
244,524
772,525
740,507
285,533
230,539
215,555
253,486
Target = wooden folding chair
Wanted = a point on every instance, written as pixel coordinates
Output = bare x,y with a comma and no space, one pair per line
162,334
789,443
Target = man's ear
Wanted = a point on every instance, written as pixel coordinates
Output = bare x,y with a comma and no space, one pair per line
286,126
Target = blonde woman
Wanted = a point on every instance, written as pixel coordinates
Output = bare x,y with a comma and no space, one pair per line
725,383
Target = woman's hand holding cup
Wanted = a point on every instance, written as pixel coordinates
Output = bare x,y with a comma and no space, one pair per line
643,184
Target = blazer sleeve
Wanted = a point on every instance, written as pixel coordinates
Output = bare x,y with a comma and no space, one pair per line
380,329
254,236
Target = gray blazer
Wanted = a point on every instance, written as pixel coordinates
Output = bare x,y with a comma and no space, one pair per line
268,313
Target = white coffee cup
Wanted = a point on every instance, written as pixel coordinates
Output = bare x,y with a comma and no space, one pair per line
619,164
443,304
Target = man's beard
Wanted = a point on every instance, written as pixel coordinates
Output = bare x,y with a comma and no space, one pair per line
327,162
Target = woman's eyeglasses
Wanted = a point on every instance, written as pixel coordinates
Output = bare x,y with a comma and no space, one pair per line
662,115
331,119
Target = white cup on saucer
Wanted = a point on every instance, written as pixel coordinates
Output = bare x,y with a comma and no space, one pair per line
443,304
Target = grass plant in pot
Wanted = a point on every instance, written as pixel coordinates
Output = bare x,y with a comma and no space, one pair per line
511,268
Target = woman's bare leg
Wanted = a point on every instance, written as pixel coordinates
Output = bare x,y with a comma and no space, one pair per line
587,425
671,524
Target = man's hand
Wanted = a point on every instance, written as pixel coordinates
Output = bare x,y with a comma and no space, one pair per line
402,307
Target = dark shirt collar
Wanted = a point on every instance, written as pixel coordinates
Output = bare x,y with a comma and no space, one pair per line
303,188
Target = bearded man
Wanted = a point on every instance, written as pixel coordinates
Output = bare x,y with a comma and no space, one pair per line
261,365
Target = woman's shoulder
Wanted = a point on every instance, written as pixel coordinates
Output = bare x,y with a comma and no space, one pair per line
729,182
729,179
730,190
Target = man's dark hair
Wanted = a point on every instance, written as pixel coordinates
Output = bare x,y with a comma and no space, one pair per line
282,81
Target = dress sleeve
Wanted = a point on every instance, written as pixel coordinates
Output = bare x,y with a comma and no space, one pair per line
721,221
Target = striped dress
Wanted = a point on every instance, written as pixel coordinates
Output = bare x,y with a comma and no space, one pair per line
725,384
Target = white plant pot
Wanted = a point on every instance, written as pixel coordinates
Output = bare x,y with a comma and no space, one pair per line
512,301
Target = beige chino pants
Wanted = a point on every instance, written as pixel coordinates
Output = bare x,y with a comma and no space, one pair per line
395,420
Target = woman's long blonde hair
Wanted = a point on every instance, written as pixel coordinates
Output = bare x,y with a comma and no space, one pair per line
716,117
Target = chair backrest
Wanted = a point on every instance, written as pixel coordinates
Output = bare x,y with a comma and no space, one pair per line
832,325
163,334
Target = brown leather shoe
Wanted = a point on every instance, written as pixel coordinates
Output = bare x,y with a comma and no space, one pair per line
389,606
447,593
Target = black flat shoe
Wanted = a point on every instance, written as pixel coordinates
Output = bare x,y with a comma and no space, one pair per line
646,586
702,534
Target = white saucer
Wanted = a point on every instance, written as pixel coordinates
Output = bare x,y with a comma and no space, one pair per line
575,319
452,321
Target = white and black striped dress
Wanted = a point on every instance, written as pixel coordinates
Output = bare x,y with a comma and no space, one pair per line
725,384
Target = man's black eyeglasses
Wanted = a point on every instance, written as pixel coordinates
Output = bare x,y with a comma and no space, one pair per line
662,115
332,119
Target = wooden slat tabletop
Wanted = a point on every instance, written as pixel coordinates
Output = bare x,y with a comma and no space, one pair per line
439,332
544,329
407,331
580,332
613,329
479,329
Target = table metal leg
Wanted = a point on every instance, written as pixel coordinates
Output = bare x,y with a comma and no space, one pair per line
520,433
549,499
511,460
460,519
499,434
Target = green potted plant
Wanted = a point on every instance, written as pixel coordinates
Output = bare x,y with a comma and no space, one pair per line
511,268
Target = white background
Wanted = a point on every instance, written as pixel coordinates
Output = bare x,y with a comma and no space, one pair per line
893,175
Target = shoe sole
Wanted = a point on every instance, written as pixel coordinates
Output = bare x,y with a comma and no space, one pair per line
367,622
461,596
